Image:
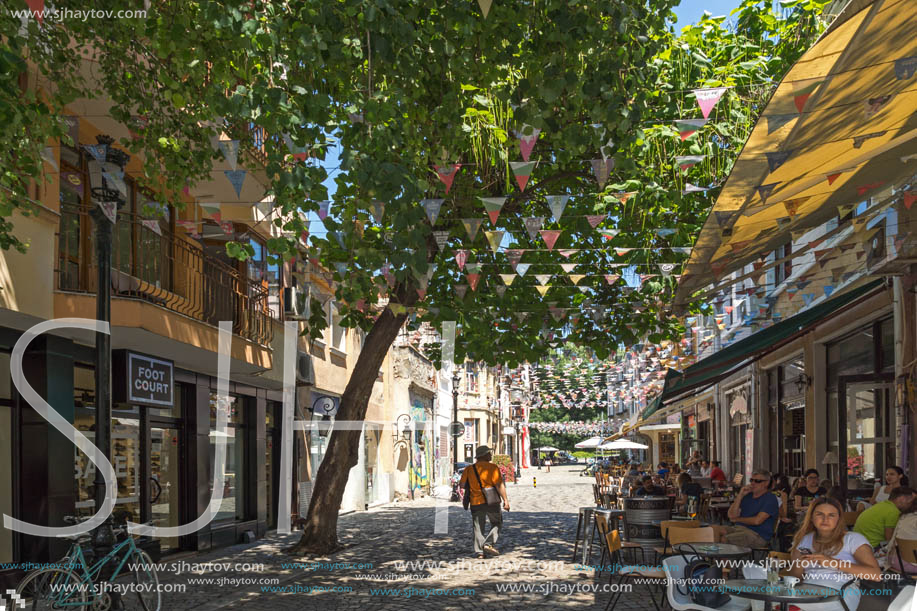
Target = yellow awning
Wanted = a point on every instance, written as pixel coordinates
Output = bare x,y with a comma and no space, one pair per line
854,138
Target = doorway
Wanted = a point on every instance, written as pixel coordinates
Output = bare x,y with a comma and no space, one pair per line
865,430
164,480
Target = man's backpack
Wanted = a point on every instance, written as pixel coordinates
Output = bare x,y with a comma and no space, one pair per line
701,580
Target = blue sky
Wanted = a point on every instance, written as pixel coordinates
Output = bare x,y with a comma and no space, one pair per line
690,11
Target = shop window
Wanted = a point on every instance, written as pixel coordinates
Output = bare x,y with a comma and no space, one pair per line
783,270
234,476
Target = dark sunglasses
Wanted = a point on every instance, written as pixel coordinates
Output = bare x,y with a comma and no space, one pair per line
758,481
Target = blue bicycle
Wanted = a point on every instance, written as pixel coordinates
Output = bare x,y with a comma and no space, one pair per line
76,584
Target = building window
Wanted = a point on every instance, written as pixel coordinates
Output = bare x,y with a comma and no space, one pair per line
783,270
338,333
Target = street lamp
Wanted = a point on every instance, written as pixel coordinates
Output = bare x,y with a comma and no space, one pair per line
106,169
455,393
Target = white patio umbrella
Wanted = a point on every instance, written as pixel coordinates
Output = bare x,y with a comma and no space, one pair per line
623,444
547,449
589,444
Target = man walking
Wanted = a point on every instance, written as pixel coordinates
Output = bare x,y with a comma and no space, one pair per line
487,489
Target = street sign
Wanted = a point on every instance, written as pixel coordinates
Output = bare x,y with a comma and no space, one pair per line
458,429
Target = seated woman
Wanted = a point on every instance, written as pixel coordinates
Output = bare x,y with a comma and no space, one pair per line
809,489
825,553
705,468
894,477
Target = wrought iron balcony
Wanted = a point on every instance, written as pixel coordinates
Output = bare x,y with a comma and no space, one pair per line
184,276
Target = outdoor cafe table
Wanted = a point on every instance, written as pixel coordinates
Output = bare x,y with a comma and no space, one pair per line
713,550
759,589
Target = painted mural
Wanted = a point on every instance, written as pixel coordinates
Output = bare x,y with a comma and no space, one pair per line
421,449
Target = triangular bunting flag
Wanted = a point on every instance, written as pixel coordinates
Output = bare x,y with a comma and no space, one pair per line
808,297
461,256
908,198
237,179
522,268
689,188
485,6
608,234
595,219
687,127
602,168
493,205
514,255
567,252
707,99
832,177
441,238
230,150
543,279
461,290
802,90
507,278
874,105
494,238
620,252
550,237
828,289
473,280
110,210
152,225
211,210
686,161
522,170
447,174
905,68
775,122
472,226
528,135
575,278
323,207
777,159
227,227
432,208
543,290
557,203
533,224
99,152
764,191
665,231
611,278
568,267
115,175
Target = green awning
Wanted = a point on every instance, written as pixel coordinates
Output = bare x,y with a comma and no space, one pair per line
721,364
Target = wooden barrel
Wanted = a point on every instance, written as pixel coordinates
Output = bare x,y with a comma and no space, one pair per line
642,516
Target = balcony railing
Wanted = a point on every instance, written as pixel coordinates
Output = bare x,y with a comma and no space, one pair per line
164,270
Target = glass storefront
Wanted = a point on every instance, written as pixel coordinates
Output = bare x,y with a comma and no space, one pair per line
864,361
233,505
371,437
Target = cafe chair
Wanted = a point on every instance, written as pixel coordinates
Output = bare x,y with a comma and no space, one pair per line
664,527
850,518
635,575
687,535
906,549
677,593
902,602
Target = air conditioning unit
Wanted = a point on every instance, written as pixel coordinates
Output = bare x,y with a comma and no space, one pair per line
305,372
295,303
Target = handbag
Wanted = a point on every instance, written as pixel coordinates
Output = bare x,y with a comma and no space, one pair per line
491,496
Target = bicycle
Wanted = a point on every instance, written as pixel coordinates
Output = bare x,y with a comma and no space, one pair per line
74,584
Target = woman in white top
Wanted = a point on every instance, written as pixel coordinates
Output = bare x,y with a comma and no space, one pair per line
705,468
894,477
824,553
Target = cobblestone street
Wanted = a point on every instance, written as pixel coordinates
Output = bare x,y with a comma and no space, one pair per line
536,546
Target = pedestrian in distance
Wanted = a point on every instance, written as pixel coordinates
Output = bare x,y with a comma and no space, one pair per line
487,488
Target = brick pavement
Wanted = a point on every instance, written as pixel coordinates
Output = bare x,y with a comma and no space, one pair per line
540,527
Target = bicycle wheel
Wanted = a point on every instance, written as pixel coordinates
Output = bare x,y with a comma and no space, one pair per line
53,588
147,581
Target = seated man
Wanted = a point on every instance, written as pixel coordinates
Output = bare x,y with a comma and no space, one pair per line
878,522
649,489
754,513
717,476
687,488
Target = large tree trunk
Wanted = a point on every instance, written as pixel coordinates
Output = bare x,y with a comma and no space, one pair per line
320,529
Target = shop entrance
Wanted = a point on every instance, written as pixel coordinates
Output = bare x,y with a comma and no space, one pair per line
865,430
163,497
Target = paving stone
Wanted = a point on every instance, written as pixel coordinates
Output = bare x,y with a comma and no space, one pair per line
539,529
